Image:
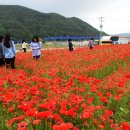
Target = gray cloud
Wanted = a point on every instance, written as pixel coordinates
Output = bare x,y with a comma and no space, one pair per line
65,7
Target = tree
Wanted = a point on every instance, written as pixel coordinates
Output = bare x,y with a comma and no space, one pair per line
2,30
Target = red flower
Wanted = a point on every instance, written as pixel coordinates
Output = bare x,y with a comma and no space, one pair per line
117,97
22,125
11,121
101,127
57,118
63,126
99,94
44,114
109,113
104,99
95,121
75,128
8,97
11,109
90,100
121,84
125,126
86,114
31,112
36,122
34,90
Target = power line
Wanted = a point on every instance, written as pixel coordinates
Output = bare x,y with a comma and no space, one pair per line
116,19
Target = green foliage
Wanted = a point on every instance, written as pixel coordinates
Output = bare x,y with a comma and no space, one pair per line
22,23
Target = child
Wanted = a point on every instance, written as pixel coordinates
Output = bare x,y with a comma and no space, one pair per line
36,47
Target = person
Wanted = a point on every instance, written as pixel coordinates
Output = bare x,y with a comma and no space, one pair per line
80,44
1,51
9,51
91,44
36,47
24,46
70,45
41,41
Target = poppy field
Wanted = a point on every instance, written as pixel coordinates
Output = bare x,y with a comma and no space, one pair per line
80,90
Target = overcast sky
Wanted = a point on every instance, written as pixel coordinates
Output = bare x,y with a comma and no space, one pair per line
115,12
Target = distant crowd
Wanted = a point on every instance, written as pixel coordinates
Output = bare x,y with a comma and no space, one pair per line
8,49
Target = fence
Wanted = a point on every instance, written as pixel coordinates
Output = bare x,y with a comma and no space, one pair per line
65,38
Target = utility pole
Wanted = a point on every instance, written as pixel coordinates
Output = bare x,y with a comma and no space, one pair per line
101,26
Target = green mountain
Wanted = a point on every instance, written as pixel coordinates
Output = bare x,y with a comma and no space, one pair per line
23,22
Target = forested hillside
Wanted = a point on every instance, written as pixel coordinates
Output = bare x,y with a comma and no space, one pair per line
23,22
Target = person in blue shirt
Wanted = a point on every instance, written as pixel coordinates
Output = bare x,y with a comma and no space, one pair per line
1,51
36,47
9,51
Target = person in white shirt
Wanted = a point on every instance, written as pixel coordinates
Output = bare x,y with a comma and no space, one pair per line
24,46
36,47
91,44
